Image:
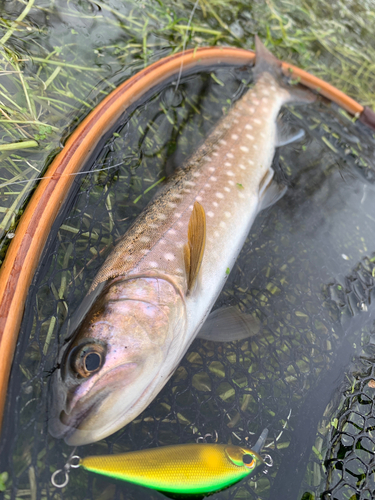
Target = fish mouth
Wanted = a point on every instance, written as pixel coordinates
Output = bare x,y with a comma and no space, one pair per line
64,426
67,422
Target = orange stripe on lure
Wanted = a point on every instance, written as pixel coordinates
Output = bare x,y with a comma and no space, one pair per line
184,468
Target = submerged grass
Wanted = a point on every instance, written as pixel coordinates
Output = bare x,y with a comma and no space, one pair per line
58,59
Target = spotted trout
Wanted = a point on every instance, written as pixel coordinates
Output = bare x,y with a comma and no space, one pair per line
155,290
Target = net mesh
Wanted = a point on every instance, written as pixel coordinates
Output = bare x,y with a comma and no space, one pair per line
306,271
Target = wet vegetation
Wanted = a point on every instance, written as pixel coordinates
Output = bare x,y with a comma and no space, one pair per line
298,273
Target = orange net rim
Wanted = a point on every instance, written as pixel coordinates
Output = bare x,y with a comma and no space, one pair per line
24,252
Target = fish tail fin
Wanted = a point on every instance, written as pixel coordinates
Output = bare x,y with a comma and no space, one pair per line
267,63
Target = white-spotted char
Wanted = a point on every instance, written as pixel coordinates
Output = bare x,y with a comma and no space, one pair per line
156,288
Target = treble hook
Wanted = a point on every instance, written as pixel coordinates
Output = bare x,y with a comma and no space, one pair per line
203,439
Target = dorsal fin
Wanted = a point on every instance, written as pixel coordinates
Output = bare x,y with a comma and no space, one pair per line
194,248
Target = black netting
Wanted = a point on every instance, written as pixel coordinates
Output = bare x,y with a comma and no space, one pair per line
306,270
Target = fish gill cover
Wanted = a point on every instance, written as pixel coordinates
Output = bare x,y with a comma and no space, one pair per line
306,271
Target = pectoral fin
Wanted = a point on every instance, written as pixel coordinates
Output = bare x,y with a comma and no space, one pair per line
228,324
194,248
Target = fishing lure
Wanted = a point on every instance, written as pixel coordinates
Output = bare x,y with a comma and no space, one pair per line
184,468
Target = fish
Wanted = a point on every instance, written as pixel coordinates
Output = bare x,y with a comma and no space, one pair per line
190,469
154,292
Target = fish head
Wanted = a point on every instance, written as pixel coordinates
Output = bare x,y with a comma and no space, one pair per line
117,360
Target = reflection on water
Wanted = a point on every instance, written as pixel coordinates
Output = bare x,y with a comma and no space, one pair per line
306,271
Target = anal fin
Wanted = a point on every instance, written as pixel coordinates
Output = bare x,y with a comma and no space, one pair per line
194,248
286,134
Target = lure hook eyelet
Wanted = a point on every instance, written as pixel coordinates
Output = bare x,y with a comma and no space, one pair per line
268,461
73,463
64,483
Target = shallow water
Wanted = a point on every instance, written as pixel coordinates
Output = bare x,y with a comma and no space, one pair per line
306,270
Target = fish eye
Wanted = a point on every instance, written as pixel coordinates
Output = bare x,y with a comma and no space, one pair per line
248,461
87,359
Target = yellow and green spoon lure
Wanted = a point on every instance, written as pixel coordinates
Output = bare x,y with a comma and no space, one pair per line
182,469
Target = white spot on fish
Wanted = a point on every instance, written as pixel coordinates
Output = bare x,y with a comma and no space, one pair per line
169,256
177,214
207,186
236,113
187,190
227,125
227,189
242,167
211,169
244,149
210,214
230,173
273,88
235,121
251,110
177,196
191,207
208,158
153,264
265,91
257,121
179,270
216,234
161,216
213,178
234,137
172,205
162,242
172,232
250,161
219,195
215,204
144,239
229,155
145,251
224,143
189,183
153,226
249,136
231,183
256,102
248,126
227,215
227,164
199,198
255,146
262,134
264,99
197,174
222,224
